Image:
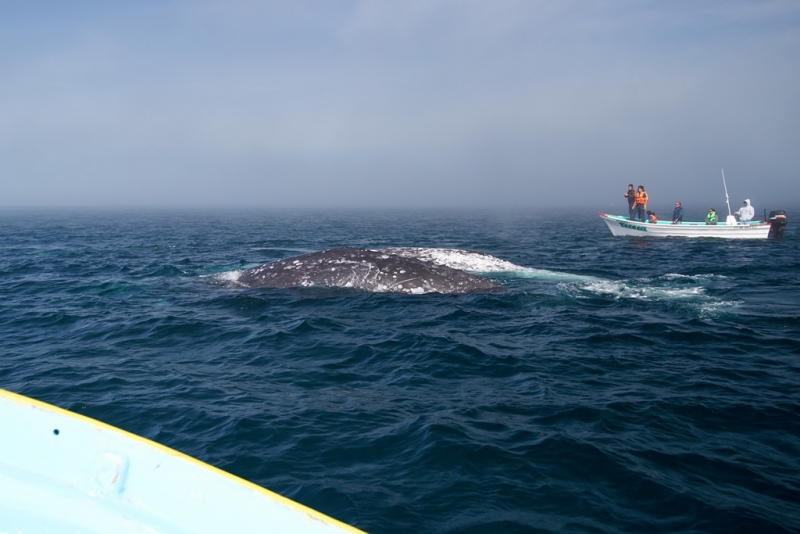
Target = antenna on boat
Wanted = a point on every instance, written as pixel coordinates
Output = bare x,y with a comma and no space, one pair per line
730,219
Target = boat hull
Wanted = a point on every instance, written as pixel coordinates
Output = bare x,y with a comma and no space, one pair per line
622,226
63,472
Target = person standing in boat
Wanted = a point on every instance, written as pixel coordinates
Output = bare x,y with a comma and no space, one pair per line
711,218
641,205
746,212
631,196
677,214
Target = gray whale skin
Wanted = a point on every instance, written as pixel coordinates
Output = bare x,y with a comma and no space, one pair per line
370,270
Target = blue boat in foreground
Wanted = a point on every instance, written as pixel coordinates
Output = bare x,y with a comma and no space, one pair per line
63,472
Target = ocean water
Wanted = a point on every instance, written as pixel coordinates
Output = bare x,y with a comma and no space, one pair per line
614,385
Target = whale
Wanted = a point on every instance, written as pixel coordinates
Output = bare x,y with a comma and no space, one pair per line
399,270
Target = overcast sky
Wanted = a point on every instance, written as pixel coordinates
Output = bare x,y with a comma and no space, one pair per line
412,103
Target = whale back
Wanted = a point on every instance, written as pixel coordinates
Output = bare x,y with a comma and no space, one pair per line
370,270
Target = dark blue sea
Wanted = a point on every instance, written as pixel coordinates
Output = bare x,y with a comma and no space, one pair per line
618,385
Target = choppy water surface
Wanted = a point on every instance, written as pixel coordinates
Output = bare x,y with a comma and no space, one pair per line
616,384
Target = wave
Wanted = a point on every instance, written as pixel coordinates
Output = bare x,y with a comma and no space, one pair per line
477,262
671,287
227,277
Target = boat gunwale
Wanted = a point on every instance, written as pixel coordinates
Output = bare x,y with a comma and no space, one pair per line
310,513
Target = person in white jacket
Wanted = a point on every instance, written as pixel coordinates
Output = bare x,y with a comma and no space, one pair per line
746,212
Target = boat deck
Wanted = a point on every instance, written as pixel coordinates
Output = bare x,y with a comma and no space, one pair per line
63,472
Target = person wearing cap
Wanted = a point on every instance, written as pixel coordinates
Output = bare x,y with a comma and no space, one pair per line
631,196
677,214
711,218
746,212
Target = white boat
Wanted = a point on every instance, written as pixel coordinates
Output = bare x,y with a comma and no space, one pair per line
730,229
63,472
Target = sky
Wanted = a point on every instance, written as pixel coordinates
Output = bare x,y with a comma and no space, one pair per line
403,104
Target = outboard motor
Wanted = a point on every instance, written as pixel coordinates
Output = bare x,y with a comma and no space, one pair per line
777,219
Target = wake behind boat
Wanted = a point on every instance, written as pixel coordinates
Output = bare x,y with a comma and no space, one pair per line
620,225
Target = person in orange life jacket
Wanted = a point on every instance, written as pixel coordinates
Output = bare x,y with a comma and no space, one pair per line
651,217
641,204
631,196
